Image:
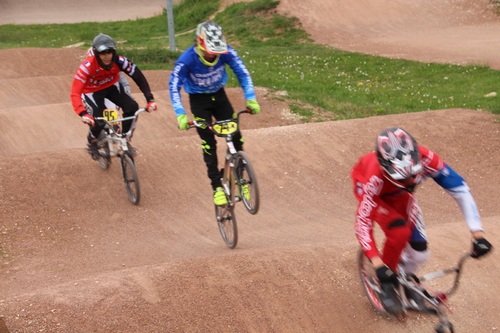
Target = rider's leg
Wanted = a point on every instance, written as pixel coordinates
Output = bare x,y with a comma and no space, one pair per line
202,108
392,218
224,110
94,102
118,95
397,232
415,255
209,146
416,252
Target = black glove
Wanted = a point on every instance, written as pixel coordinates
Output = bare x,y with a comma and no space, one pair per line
480,247
386,275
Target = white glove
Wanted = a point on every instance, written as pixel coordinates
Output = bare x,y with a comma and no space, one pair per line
88,119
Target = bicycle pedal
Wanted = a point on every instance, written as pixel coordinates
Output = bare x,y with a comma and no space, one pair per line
429,310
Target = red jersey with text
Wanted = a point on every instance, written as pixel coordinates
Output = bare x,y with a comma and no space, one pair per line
374,192
91,77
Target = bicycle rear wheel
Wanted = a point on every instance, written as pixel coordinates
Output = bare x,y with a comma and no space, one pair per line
246,182
130,178
370,283
227,224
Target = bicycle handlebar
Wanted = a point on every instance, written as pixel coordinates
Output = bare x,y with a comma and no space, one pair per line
201,123
444,272
457,270
115,121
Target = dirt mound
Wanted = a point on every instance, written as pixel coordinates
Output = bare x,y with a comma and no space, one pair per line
70,11
448,31
77,256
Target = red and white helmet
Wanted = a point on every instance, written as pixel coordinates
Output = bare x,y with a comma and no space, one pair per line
399,157
210,38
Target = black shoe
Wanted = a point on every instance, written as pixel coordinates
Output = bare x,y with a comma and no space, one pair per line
390,299
416,300
93,150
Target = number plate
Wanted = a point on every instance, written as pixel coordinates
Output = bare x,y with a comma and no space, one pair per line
228,127
110,114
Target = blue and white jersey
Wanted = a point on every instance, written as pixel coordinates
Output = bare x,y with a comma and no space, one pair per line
198,78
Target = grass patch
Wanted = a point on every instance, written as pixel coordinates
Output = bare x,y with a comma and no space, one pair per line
145,33
353,85
281,56
496,3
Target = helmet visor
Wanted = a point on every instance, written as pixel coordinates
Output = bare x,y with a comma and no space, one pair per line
104,49
213,46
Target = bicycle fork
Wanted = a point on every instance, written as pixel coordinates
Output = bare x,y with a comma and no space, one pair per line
228,173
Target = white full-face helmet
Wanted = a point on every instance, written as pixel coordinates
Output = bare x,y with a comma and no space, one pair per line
399,157
210,38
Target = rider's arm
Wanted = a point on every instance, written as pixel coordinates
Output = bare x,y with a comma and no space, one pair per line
79,81
241,72
175,84
367,188
454,185
136,74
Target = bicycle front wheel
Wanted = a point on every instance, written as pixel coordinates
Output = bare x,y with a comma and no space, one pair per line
369,281
227,224
246,183
130,178
104,156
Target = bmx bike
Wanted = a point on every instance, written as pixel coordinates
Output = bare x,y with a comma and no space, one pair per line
412,294
238,178
112,142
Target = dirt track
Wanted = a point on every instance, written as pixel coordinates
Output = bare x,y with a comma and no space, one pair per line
76,256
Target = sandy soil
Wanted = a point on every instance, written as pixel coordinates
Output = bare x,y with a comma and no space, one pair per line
77,256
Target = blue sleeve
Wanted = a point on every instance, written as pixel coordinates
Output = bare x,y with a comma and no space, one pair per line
447,178
241,72
456,186
175,84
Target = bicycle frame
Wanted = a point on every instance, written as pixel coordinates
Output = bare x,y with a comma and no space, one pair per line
431,302
111,143
226,219
117,142
438,299
225,129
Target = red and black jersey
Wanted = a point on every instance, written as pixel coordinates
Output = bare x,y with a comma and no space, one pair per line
91,77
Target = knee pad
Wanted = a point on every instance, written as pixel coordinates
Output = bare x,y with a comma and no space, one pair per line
419,246
412,259
397,223
208,149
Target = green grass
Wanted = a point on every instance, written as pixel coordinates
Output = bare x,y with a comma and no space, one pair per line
150,32
496,3
280,56
352,85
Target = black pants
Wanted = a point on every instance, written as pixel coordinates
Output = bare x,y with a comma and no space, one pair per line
95,105
206,107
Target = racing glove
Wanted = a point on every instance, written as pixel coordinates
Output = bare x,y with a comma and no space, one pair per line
253,106
87,118
151,106
480,247
386,275
183,121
